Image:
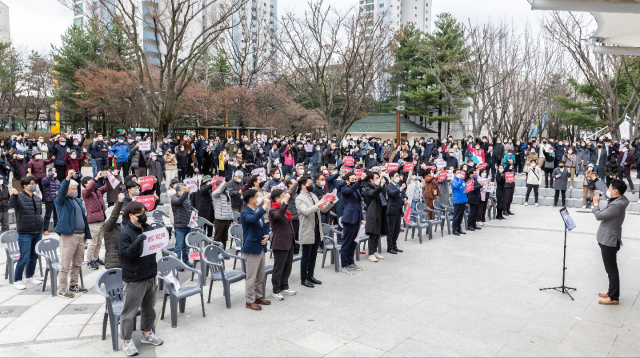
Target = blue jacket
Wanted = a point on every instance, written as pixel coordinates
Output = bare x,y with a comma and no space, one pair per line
331,181
253,230
457,187
121,151
67,212
508,156
352,203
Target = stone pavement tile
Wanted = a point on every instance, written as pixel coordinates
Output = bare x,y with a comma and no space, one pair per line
355,349
322,342
458,321
12,311
476,347
388,335
436,337
94,330
524,345
424,313
594,331
404,299
414,348
22,300
549,329
17,352
506,323
53,348
74,309
494,335
60,332
614,316
4,322
621,349
88,298
562,305
17,335
566,349
69,320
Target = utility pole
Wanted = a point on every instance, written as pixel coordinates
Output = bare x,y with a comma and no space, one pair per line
399,108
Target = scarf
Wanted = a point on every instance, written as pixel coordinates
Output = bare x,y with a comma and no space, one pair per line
278,206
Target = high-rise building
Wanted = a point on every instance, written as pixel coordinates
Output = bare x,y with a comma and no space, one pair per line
5,28
402,12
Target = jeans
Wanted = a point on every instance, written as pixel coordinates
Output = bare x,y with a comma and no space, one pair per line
97,165
28,256
49,208
181,249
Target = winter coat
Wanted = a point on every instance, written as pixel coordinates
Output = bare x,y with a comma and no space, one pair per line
473,197
170,162
583,156
412,187
37,167
44,149
112,193
306,212
182,209
120,151
205,202
138,158
222,202
628,162
431,187
94,202
376,214
50,185
58,151
292,206
170,194
4,197
28,210
571,160
109,232
529,157
457,187
95,149
233,189
282,237
74,164
154,169
135,267
534,176
67,212
560,183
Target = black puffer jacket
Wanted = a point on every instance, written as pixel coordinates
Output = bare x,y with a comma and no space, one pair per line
205,202
134,267
28,212
182,209
110,232
4,198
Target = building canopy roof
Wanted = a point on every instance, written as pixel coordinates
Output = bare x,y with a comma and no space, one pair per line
386,122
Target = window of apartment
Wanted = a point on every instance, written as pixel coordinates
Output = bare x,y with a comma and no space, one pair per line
427,4
78,9
416,15
78,22
381,5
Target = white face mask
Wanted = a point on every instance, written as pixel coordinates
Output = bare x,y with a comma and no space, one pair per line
396,180
238,180
277,176
533,165
484,175
608,194
36,157
459,176
322,183
413,177
377,182
501,170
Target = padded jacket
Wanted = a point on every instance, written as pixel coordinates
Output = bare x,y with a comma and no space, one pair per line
38,167
135,268
94,202
67,212
120,151
222,203
110,232
283,237
4,198
182,209
28,212
50,185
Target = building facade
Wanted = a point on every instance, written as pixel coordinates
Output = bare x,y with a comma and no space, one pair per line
401,12
5,28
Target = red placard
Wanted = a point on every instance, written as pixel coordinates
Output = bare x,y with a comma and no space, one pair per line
213,182
146,183
433,169
442,176
407,214
509,177
469,186
464,174
391,167
148,201
348,161
482,166
359,171
408,167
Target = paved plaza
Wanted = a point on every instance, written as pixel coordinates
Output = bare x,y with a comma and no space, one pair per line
474,295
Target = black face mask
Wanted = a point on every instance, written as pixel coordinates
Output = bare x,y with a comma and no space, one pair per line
142,219
309,188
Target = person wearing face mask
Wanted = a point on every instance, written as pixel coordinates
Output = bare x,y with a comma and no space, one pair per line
112,193
28,210
132,190
571,162
609,234
109,233
36,167
4,205
20,166
396,198
204,203
548,165
500,192
625,160
431,191
275,179
373,194
316,159
458,187
73,161
99,151
182,209
534,179
478,152
73,229
231,147
223,212
120,151
599,159
414,191
42,147
256,183
51,186
182,158
561,175
170,167
473,199
94,204
351,220
484,180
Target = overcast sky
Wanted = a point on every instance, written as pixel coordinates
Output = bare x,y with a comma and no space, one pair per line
36,24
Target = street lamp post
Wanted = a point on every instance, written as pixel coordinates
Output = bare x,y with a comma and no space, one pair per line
399,108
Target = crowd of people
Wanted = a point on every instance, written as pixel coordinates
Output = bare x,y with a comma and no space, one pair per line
284,189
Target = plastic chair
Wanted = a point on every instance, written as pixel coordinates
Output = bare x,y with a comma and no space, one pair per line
297,257
114,295
236,234
329,239
268,269
197,241
236,218
202,222
159,215
9,241
446,214
48,248
168,265
492,207
420,220
211,257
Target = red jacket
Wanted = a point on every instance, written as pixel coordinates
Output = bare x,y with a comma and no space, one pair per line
93,201
74,164
38,167
478,152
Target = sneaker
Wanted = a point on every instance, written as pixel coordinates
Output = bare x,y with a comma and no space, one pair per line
130,348
373,258
99,262
537,205
526,204
355,267
288,292
151,338
378,256
638,201
93,265
67,294
36,281
18,285
78,289
346,270
278,296
584,206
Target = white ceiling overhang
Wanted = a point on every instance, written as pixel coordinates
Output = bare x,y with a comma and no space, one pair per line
618,21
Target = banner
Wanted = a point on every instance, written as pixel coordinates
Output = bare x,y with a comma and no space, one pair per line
156,240
464,174
148,201
469,186
482,166
146,145
77,137
261,173
146,183
407,214
408,167
214,180
391,167
433,169
308,148
191,184
348,161
359,171
192,220
113,181
489,187
442,176
441,163
279,186
509,177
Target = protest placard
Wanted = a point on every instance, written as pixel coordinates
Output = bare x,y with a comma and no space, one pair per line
308,148
191,184
77,137
156,240
145,145
442,176
192,220
469,186
146,183
359,171
408,167
213,182
261,173
391,167
112,180
148,201
348,161
509,177
441,163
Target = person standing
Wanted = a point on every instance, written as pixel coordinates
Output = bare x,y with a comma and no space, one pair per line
431,191
170,166
255,238
352,218
110,232
182,209
459,201
588,187
94,203
28,209
376,225
74,232
561,175
4,205
223,213
571,162
50,186
139,276
500,192
99,152
37,167
473,199
534,178
282,243
204,203
609,234
395,202
625,160
309,209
